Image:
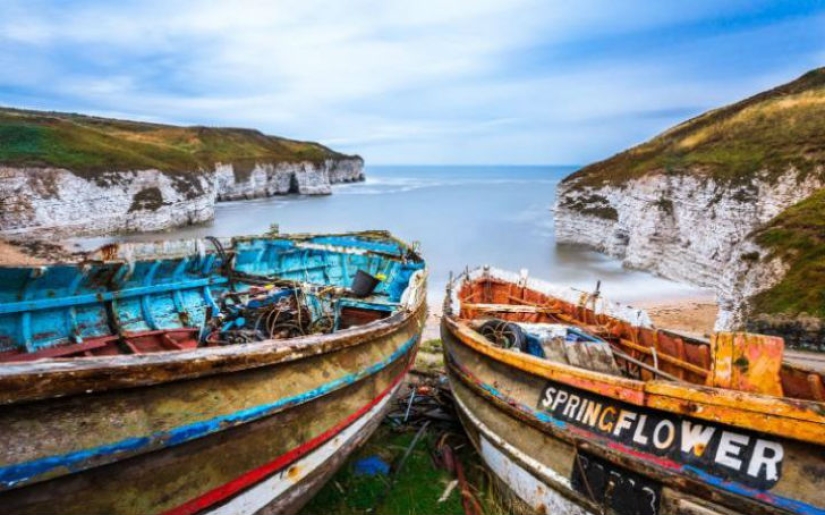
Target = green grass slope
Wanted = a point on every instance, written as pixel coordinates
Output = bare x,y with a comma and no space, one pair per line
89,145
769,132
797,236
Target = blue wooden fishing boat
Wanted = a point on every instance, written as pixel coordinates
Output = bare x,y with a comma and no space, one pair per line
200,376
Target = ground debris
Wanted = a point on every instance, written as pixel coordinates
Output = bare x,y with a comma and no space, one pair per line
430,457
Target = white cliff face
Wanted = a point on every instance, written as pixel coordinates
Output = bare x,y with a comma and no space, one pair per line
684,227
345,170
751,271
51,202
268,179
47,202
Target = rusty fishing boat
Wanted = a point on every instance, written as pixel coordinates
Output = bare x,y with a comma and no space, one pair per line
200,376
580,406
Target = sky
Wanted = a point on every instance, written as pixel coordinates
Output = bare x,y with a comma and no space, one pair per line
410,82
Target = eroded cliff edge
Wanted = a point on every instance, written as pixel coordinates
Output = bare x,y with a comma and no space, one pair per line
67,175
732,200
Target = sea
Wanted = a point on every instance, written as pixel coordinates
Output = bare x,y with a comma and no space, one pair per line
462,216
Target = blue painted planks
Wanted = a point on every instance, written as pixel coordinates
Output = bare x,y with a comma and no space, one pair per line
43,307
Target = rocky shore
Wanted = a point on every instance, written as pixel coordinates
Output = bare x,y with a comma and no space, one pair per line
55,202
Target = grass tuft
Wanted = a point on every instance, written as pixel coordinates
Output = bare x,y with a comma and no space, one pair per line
797,236
417,490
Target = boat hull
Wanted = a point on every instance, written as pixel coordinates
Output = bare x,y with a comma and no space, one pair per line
253,428
554,463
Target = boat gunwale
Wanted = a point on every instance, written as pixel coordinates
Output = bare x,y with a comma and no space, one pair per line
505,276
761,413
58,377
110,253
617,457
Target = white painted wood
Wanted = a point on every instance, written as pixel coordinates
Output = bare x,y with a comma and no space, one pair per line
541,494
257,497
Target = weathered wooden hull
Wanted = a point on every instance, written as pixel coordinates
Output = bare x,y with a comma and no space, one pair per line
628,446
253,428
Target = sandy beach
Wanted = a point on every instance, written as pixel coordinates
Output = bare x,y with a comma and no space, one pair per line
693,316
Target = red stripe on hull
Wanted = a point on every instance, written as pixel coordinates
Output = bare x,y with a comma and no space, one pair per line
257,475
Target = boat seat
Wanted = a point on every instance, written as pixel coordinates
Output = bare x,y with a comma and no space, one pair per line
351,312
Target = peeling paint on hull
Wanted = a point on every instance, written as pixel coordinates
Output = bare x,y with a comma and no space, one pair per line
523,479
200,474
185,432
664,446
298,474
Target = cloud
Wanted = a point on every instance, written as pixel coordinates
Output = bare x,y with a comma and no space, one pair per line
429,81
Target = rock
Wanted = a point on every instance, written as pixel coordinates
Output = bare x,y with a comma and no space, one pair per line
801,332
46,202
53,202
268,179
686,227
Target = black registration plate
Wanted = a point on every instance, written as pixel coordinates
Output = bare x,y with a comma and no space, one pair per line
617,490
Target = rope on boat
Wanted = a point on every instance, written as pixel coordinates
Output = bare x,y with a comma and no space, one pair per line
655,357
583,475
224,259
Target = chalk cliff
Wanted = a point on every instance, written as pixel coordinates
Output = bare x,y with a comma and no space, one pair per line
47,202
268,179
697,204
65,174
54,202
680,227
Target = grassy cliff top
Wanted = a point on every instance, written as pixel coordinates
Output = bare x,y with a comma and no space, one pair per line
769,132
88,145
797,235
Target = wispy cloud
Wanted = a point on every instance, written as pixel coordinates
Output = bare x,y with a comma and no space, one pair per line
430,81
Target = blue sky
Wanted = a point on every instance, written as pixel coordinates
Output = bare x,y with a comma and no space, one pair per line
425,81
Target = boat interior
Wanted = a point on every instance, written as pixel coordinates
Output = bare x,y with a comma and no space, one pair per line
171,296
580,331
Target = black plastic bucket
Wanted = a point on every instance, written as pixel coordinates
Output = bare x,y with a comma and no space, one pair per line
363,284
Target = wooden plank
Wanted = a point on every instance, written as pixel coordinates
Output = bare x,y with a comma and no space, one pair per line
509,308
40,380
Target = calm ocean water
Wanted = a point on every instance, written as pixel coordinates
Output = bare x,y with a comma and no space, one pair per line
461,215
